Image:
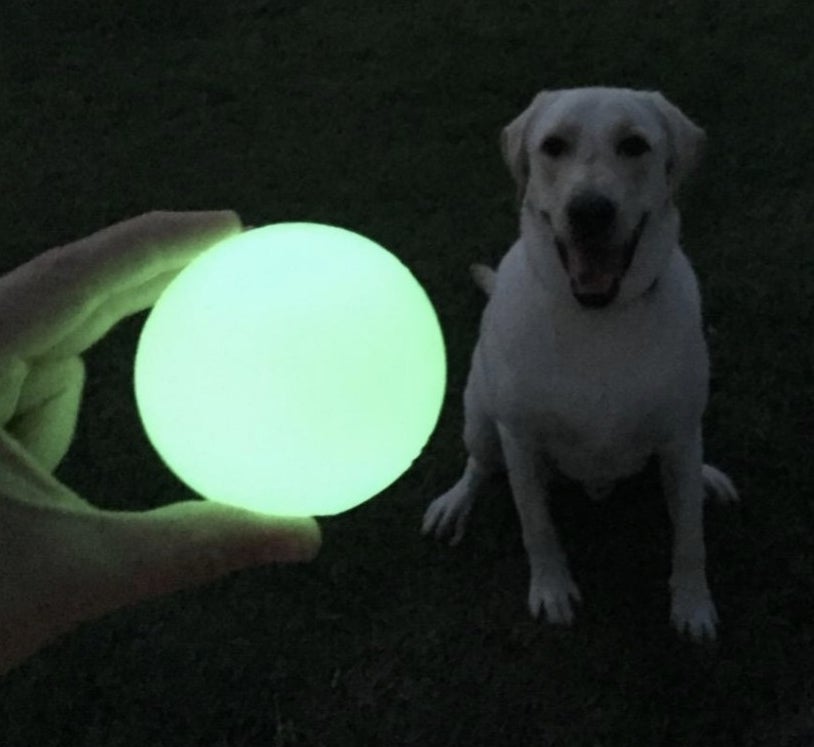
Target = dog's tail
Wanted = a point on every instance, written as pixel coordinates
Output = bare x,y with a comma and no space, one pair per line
484,277
718,485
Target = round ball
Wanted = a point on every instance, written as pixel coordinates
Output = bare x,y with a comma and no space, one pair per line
295,370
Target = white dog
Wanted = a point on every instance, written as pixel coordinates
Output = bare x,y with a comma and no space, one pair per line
591,356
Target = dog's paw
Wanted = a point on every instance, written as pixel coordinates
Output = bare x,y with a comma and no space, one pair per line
718,485
554,592
693,614
448,514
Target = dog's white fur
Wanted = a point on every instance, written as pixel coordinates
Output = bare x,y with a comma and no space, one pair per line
592,392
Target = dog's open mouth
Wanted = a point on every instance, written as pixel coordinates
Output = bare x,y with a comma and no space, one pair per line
595,267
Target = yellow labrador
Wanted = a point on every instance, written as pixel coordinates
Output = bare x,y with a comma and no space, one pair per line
591,356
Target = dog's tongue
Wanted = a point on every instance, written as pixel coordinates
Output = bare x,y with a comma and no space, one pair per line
588,275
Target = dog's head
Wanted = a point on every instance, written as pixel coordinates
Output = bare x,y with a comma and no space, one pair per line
596,170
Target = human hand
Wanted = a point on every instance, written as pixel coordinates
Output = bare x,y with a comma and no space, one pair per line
62,560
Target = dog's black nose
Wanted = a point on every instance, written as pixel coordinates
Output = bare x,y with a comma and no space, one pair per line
591,215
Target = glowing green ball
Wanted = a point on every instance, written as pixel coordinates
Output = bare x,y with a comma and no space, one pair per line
296,370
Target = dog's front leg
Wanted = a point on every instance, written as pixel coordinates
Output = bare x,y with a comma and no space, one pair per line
692,608
551,584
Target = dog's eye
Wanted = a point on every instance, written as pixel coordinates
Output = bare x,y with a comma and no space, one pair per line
632,146
554,146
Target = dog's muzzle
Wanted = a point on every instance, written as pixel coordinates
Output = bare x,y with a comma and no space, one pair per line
594,268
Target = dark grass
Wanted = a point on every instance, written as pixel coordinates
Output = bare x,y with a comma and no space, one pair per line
385,120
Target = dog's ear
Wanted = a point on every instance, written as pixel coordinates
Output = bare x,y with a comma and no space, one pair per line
685,139
513,145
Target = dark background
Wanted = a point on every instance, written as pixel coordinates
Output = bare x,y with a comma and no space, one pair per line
384,118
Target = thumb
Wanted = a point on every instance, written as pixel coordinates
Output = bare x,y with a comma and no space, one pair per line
194,542
63,565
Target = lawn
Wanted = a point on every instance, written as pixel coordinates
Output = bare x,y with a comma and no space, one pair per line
384,118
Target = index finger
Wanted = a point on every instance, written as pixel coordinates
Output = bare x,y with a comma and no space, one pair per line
70,296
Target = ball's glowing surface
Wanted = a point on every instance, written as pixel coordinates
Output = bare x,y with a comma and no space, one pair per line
296,369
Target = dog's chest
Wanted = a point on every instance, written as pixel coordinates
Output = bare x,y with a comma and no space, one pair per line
595,403
593,427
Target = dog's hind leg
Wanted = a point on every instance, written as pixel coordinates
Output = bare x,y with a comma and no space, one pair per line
448,513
